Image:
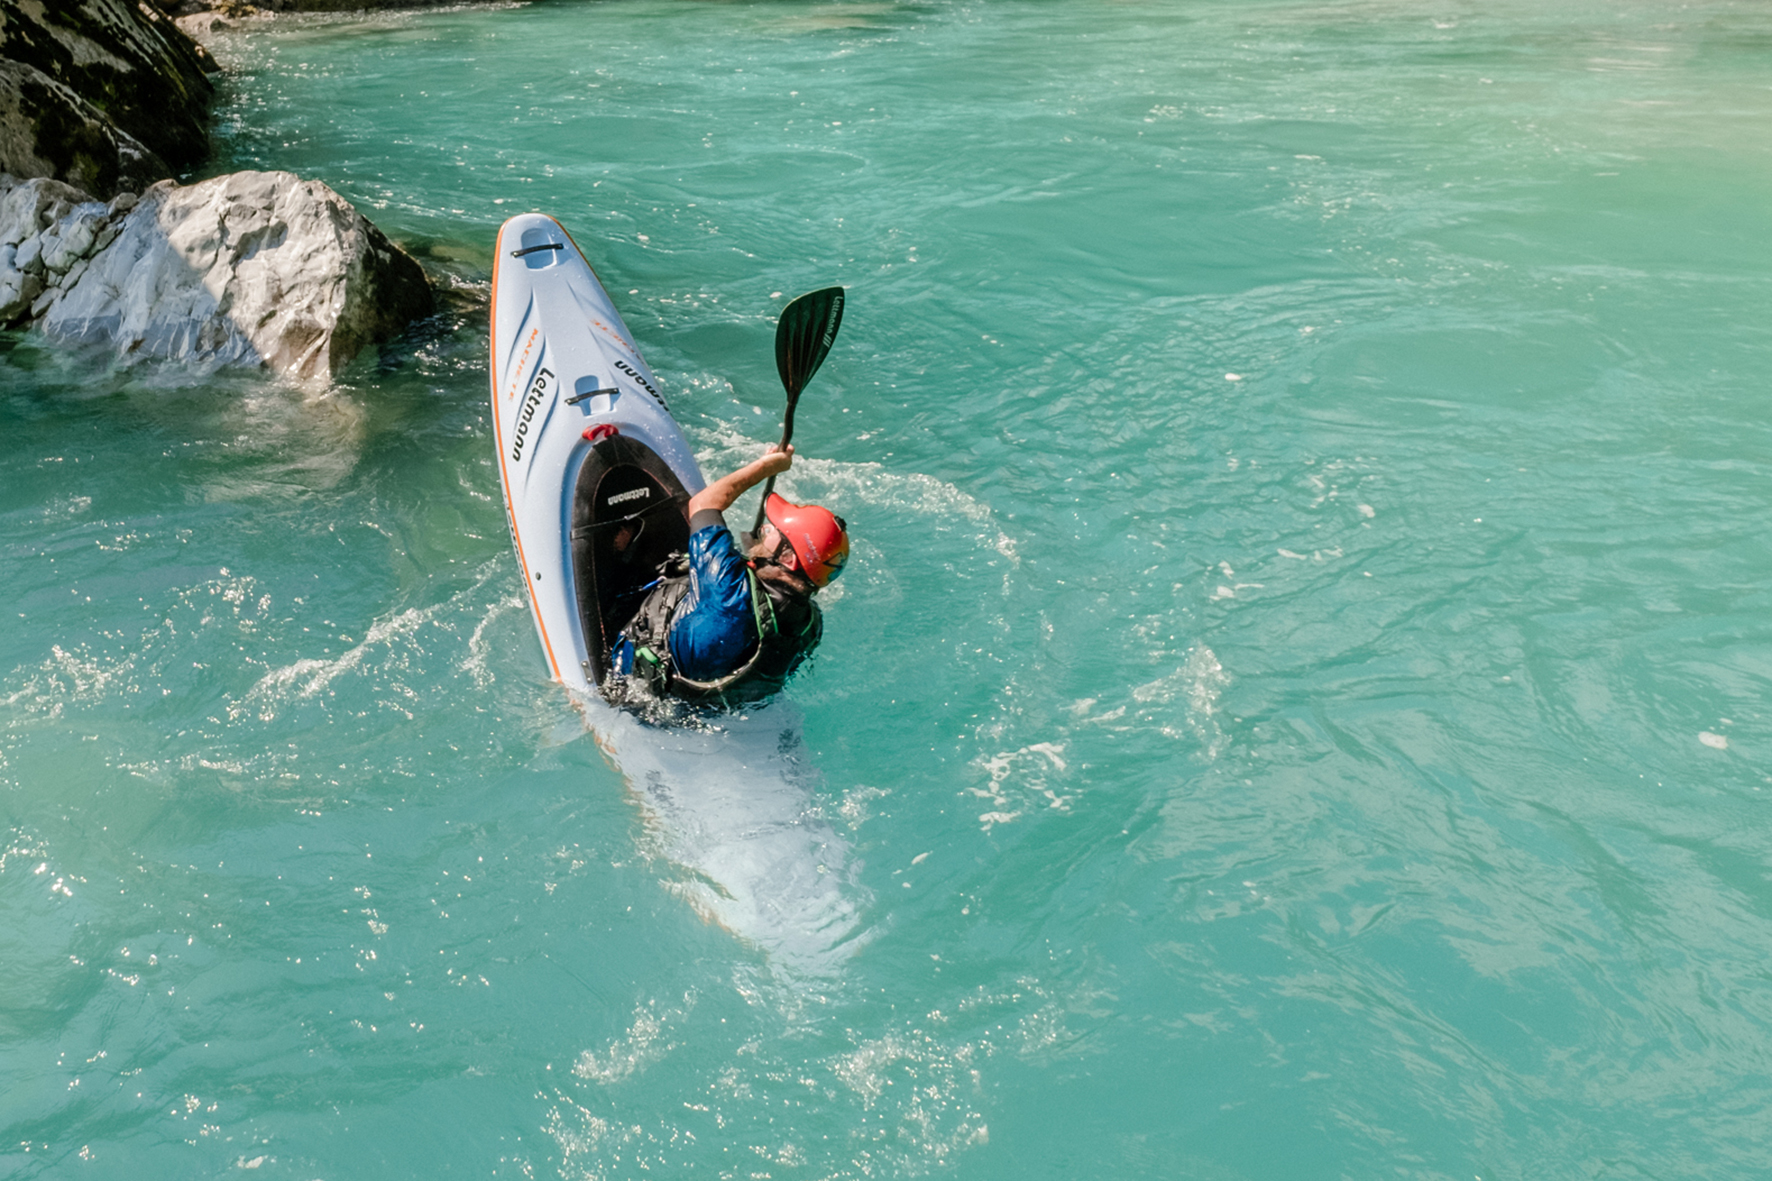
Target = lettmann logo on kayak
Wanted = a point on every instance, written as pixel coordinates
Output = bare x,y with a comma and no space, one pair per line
634,494
635,374
537,390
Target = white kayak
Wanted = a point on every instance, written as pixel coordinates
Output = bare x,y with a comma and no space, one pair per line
596,475
596,472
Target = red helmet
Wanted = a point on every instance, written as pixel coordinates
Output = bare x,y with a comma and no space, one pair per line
819,538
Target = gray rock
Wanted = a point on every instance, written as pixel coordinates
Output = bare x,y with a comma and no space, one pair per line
48,130
30,207
17,289
253,268
30,256
74,237
236,8
17,293
107,233
126,59
201,25
31,215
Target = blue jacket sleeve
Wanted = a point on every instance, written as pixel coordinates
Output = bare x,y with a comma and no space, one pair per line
715,627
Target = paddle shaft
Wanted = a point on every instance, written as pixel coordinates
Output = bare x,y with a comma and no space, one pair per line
787,436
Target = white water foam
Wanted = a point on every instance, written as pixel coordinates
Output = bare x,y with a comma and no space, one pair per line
69,678
391,636
1020,780
78,676
912,1094
1196,685
310,676
837,483
645,1042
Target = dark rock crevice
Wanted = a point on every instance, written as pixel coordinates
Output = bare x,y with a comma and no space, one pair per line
48,130
128,61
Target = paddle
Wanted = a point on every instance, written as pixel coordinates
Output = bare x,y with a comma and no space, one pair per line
802,338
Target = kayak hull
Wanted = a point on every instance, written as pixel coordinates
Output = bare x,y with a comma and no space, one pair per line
595,471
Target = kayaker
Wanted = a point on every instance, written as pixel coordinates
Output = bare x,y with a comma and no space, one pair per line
719,625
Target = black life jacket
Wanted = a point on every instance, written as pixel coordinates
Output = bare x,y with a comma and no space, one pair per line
789,626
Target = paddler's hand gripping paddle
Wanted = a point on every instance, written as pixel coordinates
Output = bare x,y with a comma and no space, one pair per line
802,338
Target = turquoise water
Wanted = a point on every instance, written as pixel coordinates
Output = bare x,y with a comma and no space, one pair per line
1297,708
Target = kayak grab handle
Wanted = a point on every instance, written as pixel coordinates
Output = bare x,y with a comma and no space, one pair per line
532,249
577,398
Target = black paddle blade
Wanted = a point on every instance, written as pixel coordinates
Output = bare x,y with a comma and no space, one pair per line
804,336
802,340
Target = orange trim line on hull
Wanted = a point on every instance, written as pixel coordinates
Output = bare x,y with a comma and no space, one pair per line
505,476
632,347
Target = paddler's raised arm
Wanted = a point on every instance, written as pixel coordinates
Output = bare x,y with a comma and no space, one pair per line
718,496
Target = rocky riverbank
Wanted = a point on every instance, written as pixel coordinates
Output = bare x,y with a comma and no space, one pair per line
103,103
251,268
104,95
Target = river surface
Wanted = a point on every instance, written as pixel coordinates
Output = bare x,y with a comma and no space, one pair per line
1298,707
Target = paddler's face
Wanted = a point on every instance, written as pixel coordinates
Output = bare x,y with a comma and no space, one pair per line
773,546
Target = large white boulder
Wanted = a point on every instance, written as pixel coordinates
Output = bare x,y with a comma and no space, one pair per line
252,268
